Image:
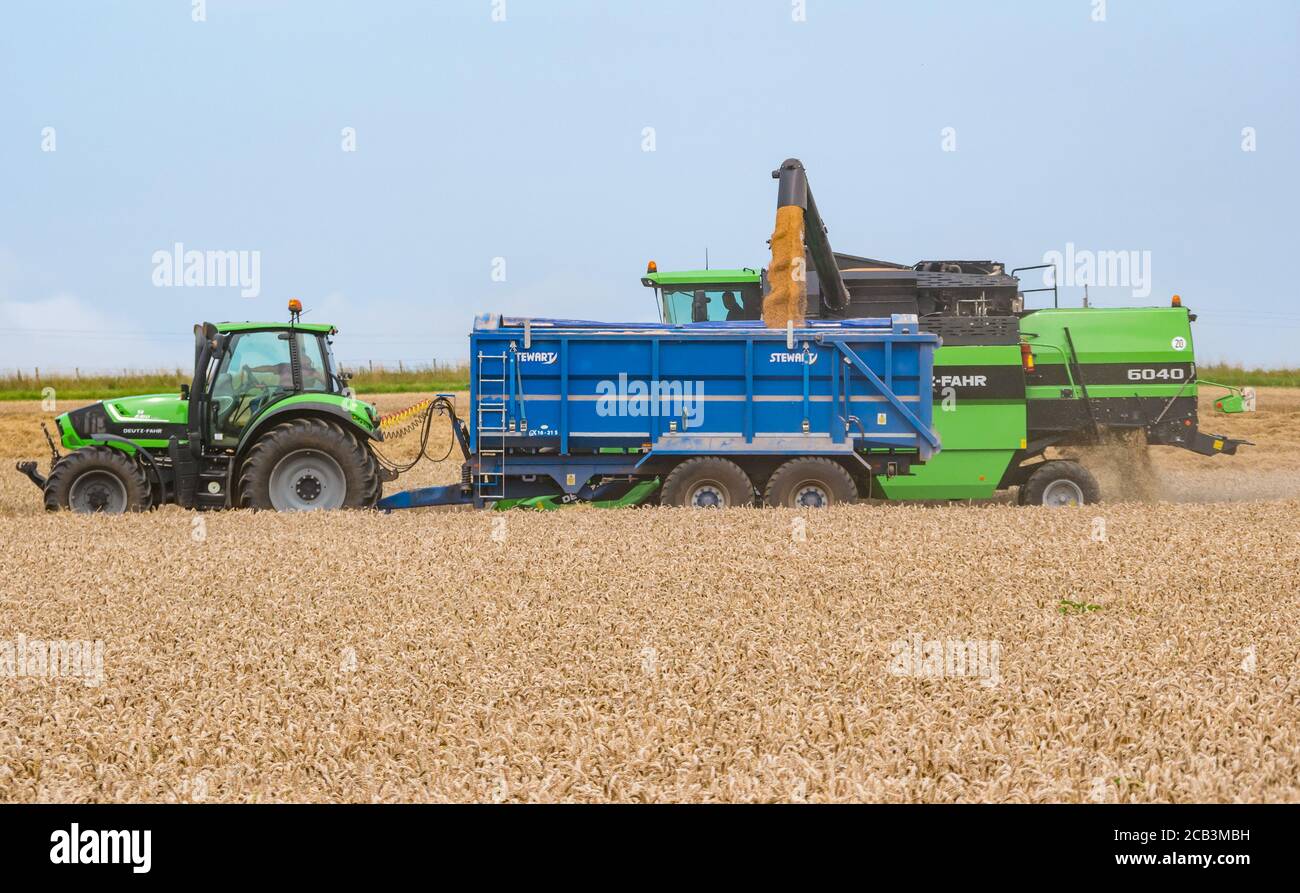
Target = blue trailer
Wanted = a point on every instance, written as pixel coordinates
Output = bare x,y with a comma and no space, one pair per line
707,414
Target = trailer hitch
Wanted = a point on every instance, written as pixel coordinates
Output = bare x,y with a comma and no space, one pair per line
29,467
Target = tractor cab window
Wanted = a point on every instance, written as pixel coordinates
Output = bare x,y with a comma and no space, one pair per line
714,304
334,373
314,377
255,370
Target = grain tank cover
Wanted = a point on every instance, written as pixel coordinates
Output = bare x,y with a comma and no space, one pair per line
829,387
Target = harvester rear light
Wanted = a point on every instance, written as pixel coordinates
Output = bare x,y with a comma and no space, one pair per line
1026,356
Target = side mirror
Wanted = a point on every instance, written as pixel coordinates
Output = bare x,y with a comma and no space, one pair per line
185,392
700,307
216,343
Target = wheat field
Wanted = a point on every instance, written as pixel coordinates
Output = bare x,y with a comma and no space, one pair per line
1144,650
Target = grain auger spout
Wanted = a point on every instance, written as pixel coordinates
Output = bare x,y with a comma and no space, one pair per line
798,223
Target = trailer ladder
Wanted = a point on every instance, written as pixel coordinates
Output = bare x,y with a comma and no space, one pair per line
489,473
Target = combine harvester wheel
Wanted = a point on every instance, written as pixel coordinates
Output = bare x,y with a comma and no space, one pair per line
1060,483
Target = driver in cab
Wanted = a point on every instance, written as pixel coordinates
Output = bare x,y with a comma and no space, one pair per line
313,379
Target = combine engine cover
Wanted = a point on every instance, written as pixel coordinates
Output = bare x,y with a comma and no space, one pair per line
929,288
1116,368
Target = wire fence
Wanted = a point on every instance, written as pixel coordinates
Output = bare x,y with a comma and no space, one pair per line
369,376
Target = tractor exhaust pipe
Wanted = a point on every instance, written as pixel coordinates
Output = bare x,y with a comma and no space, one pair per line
797,221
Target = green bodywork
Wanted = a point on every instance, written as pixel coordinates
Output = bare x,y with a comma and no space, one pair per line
980,437
167,409
636,494
316,328
174,409
1133,337
1234,402
364,415
702,277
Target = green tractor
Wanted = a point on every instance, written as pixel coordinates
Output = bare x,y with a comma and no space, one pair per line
268,422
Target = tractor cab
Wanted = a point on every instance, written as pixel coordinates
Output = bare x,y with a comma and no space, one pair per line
255,365
689,296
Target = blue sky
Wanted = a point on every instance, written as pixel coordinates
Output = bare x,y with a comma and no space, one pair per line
523,139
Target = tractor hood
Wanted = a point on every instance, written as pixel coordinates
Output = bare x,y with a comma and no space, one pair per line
171,408
149,419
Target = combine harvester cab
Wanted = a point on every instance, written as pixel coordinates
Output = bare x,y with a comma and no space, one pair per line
567,411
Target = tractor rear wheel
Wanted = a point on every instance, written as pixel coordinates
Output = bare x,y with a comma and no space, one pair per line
1059,483
377,491
707,482
97,479
308,464
810,483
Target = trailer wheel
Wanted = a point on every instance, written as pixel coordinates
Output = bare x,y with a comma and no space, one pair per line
707,482
308,464
97,479
1060,483
810,482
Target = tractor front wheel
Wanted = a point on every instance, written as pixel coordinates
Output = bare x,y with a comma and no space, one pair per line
308,464
97,479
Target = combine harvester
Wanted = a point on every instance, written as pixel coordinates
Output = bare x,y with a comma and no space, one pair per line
1009,383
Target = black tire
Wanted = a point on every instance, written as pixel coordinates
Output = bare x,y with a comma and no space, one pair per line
1060,482
373,497
707,482
810,482
331,460
97,479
